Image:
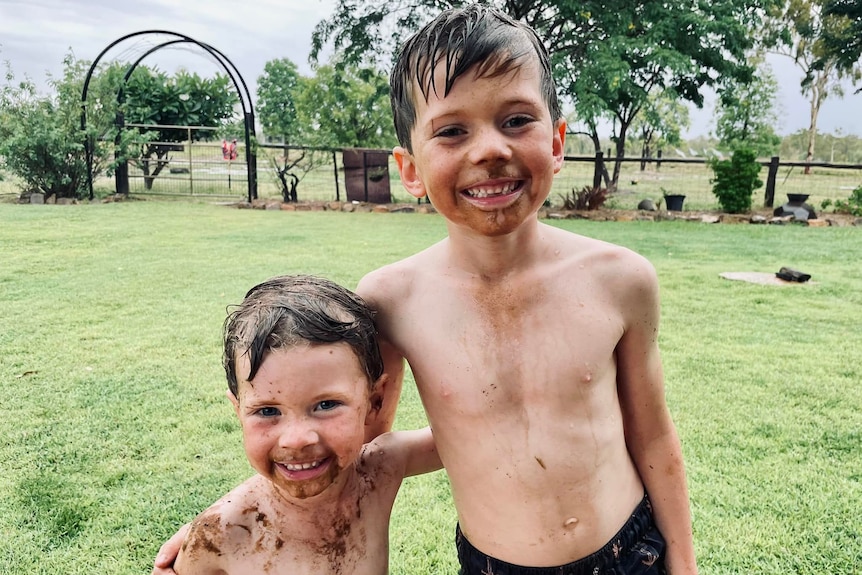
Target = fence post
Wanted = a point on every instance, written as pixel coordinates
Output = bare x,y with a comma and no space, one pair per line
597,170
335,171
191,167
365,174
250,157
658,162
769,195
121,175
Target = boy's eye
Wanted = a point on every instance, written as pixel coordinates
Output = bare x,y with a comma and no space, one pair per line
449,132
328,405
518,121
268,412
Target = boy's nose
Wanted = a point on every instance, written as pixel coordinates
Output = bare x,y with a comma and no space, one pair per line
298,434
490,145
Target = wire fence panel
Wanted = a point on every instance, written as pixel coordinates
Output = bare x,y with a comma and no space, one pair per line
199,169
822,183
693,179
315,169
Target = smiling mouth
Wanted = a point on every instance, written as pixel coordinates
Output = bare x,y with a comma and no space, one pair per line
303,466
493,191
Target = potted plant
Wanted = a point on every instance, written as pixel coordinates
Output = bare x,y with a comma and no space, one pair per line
673,202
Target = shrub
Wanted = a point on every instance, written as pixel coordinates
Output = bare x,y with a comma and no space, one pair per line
852,205
41,140
588,198
36,147
735,180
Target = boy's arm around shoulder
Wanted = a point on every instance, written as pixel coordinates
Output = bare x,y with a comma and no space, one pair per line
410,452
375,290
650,432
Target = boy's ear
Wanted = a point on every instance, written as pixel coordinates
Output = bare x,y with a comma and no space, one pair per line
559,144
409,175
376,399
232,398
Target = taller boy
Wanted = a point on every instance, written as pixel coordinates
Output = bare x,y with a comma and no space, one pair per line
534,349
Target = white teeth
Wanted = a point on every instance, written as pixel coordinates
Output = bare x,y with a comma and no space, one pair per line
301,466
486,191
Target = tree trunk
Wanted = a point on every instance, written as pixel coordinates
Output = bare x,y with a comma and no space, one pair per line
818,94
646,136
620,153
145,168
594,136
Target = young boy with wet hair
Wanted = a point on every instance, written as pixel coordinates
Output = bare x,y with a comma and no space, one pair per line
534,349
550,338
305,378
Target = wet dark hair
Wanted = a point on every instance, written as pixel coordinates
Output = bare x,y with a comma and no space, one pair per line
288,311
463,38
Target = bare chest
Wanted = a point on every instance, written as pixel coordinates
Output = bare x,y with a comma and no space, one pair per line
510,348
263,533
342,548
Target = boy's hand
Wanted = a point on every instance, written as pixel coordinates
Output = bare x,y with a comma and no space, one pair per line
168,552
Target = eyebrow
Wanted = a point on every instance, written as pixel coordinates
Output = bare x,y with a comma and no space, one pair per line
509,103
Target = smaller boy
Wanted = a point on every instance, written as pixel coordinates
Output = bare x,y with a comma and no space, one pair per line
305,377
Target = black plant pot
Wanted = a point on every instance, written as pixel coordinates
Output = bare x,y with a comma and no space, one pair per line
796,207
674,202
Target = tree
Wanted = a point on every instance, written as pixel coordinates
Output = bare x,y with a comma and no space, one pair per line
152,97
340,106
346,107
638,49
746,113
608,55
661,123
40,135
843,41
797,29
277,92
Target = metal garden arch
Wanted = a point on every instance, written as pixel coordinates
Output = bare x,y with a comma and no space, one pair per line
224,62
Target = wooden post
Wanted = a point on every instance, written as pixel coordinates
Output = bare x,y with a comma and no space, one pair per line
365,174
335,171
769,194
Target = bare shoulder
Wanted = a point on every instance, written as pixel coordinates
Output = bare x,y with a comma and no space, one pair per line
235,507
393,282
215,531
610,263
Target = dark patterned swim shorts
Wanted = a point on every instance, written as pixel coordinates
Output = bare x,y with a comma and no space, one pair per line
637,549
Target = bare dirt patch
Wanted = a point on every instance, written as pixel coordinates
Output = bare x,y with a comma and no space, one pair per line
760,278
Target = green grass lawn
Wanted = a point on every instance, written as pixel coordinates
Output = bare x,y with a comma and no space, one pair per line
115,428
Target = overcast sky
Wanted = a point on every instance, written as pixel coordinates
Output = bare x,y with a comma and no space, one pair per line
36,34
